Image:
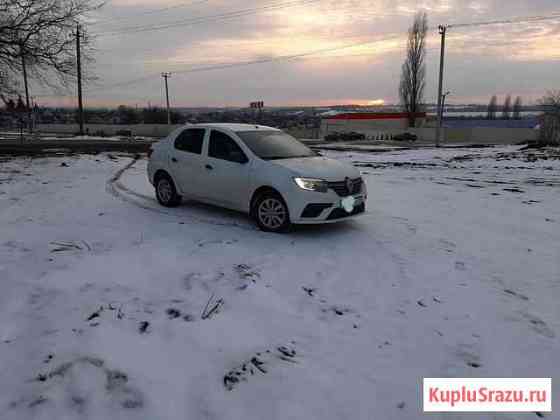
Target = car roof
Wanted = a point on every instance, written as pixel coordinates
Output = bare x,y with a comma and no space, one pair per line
233,127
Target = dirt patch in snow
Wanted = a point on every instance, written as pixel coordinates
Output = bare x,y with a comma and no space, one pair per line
261,363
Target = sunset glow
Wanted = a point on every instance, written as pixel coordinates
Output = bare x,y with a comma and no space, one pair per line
376,102
318,51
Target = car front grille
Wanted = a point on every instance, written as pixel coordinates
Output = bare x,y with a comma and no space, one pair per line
341,187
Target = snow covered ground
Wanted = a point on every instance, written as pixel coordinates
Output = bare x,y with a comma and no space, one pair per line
114,308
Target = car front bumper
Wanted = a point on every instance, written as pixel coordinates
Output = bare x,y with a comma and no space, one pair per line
308,207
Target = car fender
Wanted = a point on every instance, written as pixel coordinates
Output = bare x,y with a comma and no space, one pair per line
159,160
263,174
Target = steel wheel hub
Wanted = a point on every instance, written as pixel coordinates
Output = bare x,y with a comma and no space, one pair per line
271,213
164,190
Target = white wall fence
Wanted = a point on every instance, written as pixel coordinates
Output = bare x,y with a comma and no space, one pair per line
425,135
144,130
452,135
481,135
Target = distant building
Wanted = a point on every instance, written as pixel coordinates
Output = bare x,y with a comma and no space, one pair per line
367,122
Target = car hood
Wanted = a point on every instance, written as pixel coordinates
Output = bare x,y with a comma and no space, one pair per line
319,167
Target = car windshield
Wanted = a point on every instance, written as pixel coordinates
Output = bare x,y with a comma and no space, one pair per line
273,144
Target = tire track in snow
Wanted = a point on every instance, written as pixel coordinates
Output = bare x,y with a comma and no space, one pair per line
116,188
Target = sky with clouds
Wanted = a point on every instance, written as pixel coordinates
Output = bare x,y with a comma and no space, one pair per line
342,51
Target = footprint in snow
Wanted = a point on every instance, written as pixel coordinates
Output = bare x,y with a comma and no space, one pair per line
469,356
337,310
539,326
202,244
515,294
203,280
63,386
460,266
448,245
16,246
247,272
330,309
173,313
240,278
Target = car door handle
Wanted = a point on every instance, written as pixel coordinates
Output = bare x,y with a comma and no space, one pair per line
209,167
174,160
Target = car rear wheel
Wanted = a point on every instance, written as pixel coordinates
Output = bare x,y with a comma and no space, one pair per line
271,213
166,192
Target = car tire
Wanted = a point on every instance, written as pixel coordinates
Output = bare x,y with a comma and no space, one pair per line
271,213
166,193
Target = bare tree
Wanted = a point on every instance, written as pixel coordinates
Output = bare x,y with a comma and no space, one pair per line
8,85
41,33
506,110
550,120
492,108
413,76
517,107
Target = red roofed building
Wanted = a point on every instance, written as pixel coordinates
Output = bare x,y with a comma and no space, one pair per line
367,122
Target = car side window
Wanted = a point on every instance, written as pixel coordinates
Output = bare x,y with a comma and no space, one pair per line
224,147
191,140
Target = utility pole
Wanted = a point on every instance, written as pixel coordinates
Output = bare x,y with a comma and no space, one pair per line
443,32
79,65
165,77
24,68
443,98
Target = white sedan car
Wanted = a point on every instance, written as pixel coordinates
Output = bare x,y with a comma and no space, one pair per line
258,170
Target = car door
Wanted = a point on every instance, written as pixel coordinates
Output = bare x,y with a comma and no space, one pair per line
187,162
226,175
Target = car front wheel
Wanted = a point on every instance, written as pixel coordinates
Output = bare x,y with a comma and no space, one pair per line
271,213
166,192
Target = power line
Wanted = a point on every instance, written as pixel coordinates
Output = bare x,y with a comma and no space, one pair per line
349,12
205,19
126,83
222,66
526,19
248,43
282,5
149,12
276,6
273,59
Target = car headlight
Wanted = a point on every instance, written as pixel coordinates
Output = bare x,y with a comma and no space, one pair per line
311,184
